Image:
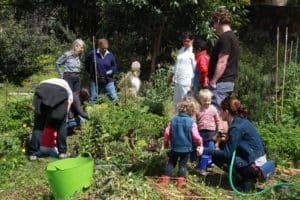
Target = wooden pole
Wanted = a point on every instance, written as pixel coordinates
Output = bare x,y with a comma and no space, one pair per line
291,52
284,67
276,75
296,50
95,67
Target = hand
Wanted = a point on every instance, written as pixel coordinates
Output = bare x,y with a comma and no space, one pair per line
213,84
199,150
109,72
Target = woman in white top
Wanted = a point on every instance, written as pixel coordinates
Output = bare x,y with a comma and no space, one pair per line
184,69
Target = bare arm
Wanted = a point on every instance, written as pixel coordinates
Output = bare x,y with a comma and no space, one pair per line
221,66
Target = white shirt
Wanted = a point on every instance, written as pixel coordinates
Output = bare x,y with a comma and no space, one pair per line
184,67
136,83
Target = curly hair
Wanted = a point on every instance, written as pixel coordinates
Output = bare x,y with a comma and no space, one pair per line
221,15
188,106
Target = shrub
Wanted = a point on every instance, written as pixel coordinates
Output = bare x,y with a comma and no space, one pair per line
109,123
19,51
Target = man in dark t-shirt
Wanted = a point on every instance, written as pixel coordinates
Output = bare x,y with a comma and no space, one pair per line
223,65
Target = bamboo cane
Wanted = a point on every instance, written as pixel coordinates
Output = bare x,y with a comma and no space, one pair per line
291,52
276,76
95,67
296,50
284,68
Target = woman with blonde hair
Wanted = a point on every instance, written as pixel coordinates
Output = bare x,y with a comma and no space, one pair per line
72,65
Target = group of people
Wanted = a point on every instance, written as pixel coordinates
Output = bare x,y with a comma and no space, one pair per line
220,126
58,102
197,132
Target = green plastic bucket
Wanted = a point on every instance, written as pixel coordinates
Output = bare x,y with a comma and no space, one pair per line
70,176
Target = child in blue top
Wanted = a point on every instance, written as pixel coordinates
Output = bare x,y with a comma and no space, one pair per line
181,132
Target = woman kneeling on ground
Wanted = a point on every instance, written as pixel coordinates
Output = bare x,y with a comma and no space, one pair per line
250,163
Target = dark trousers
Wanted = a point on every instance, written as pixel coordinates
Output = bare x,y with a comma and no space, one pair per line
39,124
173,158
73,81
242,174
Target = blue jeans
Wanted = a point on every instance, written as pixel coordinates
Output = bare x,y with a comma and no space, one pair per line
108,88
39,124
173,158
223,90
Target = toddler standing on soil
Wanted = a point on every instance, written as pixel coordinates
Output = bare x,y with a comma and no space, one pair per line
181,132
209,123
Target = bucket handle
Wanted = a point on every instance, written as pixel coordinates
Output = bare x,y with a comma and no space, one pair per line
86,154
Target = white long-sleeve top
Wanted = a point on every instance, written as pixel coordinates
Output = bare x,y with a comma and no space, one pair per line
184,67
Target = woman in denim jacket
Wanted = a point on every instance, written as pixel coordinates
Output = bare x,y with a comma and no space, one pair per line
245,139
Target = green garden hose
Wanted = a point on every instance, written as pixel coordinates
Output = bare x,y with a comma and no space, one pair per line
249,194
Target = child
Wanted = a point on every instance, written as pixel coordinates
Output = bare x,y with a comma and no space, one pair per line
201,70
209,123
131,83
48,141
181,132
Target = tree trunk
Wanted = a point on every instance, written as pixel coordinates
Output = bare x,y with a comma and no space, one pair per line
156,46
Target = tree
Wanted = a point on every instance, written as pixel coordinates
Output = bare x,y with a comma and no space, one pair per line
155,26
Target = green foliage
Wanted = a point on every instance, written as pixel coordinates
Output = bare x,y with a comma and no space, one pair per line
15,127
20,50
255,85
109,122
282,143
202,17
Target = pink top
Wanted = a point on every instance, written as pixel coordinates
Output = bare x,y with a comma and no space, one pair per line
195,135
49,137
209,119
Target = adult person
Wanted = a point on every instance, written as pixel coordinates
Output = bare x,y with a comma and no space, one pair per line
243,138
183,71
72,65
52,101
105,69
223,65
77,113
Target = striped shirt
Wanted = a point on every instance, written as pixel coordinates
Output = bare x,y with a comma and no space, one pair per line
70,61
208,119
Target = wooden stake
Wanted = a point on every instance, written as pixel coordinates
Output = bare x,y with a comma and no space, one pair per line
296,50
276,75
291,52
284,67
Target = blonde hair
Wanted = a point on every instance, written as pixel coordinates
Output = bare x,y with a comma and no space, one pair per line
78,42
205,94
188,106
135,68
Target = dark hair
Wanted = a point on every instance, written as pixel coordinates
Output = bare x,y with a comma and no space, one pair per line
84,95
221,15
199,44
234,106
187,35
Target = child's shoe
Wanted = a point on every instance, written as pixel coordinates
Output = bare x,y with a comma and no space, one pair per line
180,181
164,180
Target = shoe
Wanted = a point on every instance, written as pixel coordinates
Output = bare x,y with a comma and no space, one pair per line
63,155
180,181
164,180
32,157
202,172
248,185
